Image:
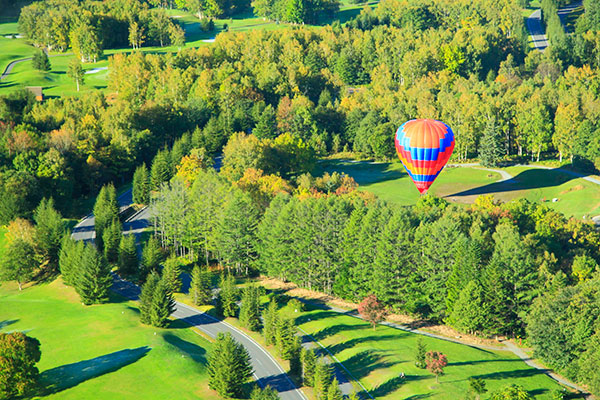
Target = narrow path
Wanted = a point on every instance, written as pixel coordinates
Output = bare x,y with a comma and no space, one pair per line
536,30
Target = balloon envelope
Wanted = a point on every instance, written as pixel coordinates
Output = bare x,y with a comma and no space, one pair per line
424,146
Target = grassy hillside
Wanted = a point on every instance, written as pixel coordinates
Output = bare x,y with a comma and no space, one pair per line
102,351
576,197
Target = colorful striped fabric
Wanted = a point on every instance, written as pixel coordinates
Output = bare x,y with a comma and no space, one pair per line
424,146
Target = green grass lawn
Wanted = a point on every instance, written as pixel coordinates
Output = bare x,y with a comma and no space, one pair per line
378,357
576,197
12,49
102,351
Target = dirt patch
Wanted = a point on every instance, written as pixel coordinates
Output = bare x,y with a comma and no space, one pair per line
573,189
292,290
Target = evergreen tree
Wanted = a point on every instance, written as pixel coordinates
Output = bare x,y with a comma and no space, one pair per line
334,392
172,274
266,125
489,147
294,11
228,366
162,304
250,308
49,231
286,337
71,254
270,321
40,61
228,296
112,240
141,185
264,394
146,297
161,170
128,259
309,363
106,210
296,358
322,380
470,310
93,277
152,256
201,286
477,386
420,353
18,262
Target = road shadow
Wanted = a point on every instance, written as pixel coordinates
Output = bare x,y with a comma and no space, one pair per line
7,322
67,376
192,350
526,180
279,382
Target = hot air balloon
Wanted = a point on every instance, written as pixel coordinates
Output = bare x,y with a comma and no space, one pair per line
424,146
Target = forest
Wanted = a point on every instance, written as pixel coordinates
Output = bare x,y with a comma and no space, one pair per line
271,103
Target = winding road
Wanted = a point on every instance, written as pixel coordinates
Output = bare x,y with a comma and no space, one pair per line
267,370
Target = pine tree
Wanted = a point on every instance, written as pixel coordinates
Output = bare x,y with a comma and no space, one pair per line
489,147
228,366
128,259
152,256
201,286
93,278
228,296
470,312
296,358
147,296
264,394
172,274
334,392
309,363
270,321
286,335
161,170
49,231
40,61
141,185
162,304
420,353
250,308
112,240
106,210
71,254
322,380
266,126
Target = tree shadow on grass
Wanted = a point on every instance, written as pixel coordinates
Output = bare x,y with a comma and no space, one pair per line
481,361
70,375
335,329
363,363
339,347
7,322
192,350
519,373
315,316
393,384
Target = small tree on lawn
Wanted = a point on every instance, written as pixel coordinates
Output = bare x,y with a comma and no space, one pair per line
250,308
18,262
75,72
420,354
309,363
511,392
477,386
146,297
200,289
270,321
162,304
228,367
40,61
372,310
18,355
436,362
228,296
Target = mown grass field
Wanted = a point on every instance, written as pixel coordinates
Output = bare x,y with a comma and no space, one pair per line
462,185
102,351
378,357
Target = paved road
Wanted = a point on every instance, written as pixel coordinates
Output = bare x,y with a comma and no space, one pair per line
566,10
536,30
266,370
